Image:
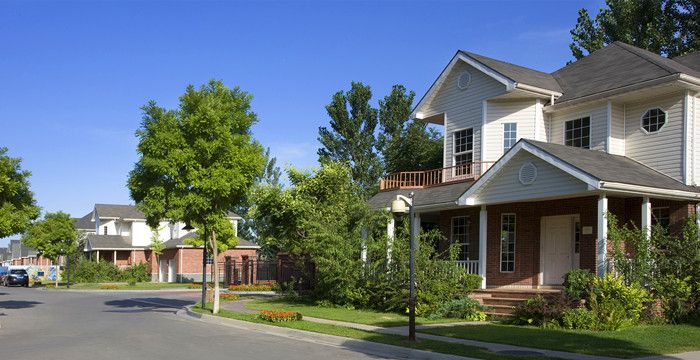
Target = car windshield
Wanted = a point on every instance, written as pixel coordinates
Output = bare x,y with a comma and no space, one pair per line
19,272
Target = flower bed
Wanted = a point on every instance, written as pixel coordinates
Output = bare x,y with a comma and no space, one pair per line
229,297
109,286
251,287
279,316
198,286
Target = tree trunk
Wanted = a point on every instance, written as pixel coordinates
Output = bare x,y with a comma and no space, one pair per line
157,261
57,270
215,267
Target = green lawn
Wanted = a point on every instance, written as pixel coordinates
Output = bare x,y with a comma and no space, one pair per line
125,286
427,345
367,317
627,343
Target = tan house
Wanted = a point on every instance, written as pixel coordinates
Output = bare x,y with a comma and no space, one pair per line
534,161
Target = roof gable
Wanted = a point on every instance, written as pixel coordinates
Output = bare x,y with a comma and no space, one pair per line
691,60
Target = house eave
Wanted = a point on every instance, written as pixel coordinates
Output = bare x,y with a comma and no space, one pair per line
646,190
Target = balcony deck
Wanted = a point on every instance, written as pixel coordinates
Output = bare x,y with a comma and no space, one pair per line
433,177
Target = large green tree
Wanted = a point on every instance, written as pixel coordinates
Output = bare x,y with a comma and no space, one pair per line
17,205
53,236
666,27
351,138
406,145
197,163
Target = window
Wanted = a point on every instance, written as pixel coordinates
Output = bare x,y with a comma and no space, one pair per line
104,230
661,216
507,242
460,236
577,237
577,133
463,151
510,135
653,120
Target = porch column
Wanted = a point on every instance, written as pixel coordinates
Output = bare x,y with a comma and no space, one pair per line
602,235
389,238
646,216
114,258
482,245
363,251
98,255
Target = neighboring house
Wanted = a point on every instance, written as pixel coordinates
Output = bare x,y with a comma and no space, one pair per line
534,161
120,235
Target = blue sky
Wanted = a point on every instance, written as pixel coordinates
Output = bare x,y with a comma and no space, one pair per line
74,74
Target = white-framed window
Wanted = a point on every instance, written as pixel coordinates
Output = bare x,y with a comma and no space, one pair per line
577,133
577,237
463,151
507,242
510,135
460,236
104,230
661,216
653,120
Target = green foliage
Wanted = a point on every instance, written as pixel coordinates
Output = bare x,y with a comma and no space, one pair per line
542,310
88,271
615,304
579,319
577,283
136,273
52,236
626,240
471,282
676,296
463,308
17,205
667,27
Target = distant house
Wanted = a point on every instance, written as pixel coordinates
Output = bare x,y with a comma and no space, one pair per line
533,161
119,234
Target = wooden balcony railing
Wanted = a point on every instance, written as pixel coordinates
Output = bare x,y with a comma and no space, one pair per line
428,178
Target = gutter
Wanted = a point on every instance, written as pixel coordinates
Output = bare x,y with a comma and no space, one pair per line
636,189
537,90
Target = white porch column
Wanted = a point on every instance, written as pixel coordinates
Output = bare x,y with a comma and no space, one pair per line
482,245
98,255
646,216
114,258
389,238
363,252
602,235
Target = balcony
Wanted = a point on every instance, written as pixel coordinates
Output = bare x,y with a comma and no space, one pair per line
427,178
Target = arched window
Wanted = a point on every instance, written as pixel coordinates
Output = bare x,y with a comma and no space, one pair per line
653,120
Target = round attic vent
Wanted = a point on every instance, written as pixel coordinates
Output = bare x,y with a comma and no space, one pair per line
527,174
463,80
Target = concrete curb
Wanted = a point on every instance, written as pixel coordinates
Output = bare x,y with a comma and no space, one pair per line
367,347
120,290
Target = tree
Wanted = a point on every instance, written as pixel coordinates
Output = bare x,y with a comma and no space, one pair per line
17,205
157,245
666,27
197,163
351,138
406,145
53,236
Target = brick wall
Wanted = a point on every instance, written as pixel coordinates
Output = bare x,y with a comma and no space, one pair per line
446,229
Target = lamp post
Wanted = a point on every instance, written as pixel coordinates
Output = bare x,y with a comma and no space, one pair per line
400,207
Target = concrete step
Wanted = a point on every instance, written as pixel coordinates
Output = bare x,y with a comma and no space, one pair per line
503,301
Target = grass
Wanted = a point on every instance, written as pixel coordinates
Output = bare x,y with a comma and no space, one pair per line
367,317
421,344
125,286
638,341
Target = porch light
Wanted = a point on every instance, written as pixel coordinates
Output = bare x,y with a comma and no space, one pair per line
188,227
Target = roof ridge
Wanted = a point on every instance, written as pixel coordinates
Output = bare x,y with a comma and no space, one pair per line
505,62
643,54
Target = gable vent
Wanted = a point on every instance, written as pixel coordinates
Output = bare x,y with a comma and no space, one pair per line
463,80
527,174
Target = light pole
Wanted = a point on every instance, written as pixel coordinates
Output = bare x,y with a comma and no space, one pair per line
399,207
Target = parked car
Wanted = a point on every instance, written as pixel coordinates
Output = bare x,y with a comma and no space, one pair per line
4,270
17,277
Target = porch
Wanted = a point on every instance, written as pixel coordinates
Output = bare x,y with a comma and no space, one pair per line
423,179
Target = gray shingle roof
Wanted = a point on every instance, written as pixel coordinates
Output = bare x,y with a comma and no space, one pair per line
84,223
442,194
612,67
109,242
172,243
612,168
128,211
691,60
518,73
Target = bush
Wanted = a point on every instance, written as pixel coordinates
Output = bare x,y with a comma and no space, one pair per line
579,319
279,316
471,282
464,308
577,283
542,310
136,273
615,304
109,286
87,271
676,297
251,287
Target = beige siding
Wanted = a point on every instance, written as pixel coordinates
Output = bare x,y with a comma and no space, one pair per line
662,150
550,182
599,121
694,147
617,134
541,128
521,112
463,108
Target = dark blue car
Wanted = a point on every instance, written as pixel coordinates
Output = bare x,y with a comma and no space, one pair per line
17,277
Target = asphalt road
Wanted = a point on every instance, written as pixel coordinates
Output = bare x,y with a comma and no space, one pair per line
45,324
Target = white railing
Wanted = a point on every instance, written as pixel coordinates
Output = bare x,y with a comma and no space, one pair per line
470,266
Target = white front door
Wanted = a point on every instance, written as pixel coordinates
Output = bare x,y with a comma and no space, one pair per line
556,248
171,270
163,270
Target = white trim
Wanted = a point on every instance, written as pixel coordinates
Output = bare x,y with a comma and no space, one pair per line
515,239
538,119
641,121
608,139
601,242
444,142
482,134
646,216
117,249
536,89
454,144
687,176
624,129
646,190
389,238
483,240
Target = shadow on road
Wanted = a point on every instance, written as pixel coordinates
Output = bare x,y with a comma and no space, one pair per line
18,304
136,305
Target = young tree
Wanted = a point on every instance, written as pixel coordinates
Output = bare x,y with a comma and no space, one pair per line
197,163
53,236
17,205
666,27
157,246
351,138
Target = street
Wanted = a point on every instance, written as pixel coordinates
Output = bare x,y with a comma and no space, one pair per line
46,324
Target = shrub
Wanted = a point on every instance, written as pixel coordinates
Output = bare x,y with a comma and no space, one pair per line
577,283
136,273
251,287
279,316
676,297
615,304
579,319
542,310
464,308
87,271
471,282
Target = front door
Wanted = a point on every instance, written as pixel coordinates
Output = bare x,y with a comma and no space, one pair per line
556,248
163,270
171,270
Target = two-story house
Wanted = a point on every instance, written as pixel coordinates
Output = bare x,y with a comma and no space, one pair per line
533,161
120,235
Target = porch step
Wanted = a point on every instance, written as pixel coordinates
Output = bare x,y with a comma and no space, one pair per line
502,301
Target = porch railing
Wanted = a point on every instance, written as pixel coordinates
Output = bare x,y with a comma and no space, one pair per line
470,266
428,178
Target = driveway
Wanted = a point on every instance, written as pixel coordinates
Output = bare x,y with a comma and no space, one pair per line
45,324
